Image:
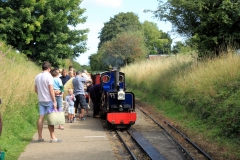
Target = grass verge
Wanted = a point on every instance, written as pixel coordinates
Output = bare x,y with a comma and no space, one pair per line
19,102
198,97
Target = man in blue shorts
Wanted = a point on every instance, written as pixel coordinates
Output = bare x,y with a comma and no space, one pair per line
46,99
78,91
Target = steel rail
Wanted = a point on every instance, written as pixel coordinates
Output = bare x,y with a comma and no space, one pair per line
147,147
198,148
129,150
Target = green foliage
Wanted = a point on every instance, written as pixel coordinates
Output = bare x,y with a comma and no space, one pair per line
19,101
86,67
124,40
96,63
76,65
182,47
212,25
157,42
119,23
18,128
41,29
229,115
124,49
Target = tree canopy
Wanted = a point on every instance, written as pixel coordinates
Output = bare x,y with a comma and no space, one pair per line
41,29
156,40
212,25
119,23
124,40
125,48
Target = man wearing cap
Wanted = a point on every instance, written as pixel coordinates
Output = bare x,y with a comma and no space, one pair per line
78,91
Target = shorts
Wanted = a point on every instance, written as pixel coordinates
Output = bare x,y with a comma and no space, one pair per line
80,99
71,110
44,107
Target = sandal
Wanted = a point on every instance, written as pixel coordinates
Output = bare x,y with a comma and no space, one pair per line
61,127
40,140
55,140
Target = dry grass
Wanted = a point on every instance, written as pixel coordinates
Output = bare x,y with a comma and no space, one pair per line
186,80
19,101
17,81
151,71
202,77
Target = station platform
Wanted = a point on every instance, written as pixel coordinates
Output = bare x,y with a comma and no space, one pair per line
82,140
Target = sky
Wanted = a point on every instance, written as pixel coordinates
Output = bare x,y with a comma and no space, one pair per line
100,11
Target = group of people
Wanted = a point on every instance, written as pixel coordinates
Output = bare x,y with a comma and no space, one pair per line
49,87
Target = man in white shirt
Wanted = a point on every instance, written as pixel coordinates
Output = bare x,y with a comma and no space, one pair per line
46,99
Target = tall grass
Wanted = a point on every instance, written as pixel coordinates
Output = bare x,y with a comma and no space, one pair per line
156,76
201,96
19,102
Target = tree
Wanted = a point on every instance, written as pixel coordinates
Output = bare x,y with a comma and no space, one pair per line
182,47
125,48
156,40
119,23
212,25
86,67
76,66
96,63
41,29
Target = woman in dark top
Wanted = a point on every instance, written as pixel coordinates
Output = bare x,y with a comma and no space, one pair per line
65,77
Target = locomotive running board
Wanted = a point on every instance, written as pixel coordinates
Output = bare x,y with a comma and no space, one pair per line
153,153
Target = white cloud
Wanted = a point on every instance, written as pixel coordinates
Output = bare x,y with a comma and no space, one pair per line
108,3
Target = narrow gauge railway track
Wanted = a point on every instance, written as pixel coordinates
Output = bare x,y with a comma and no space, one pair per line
189,147
141,143
126,144
123,144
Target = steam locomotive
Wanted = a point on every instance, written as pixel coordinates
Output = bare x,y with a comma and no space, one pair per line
117,104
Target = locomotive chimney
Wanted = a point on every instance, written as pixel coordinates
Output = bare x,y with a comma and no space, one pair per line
116,80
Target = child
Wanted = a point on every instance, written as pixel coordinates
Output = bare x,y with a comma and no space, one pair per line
70,98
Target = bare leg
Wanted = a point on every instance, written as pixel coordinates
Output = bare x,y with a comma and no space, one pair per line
51,130
40,126
75,111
